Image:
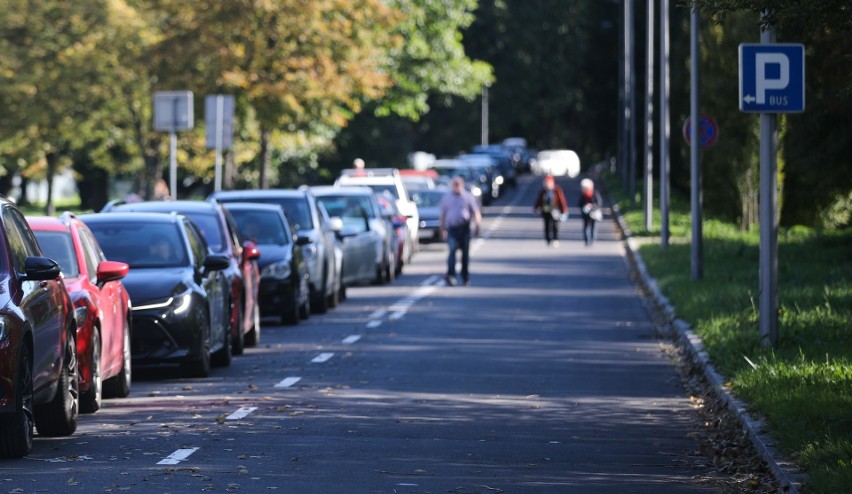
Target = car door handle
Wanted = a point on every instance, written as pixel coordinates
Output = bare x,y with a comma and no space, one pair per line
43,284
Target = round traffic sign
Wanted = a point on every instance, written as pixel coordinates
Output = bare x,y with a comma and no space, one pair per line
708,132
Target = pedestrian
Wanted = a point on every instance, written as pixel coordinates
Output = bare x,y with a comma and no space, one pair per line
590,207
460,216
552,206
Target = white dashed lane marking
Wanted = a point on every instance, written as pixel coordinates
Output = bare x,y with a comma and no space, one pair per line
241,413
321,358
177,457
349,340
287,382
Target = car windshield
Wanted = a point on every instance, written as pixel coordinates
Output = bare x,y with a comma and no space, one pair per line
428,198
141,245
295,208
261,227
59,247
385,189
345,206
211,228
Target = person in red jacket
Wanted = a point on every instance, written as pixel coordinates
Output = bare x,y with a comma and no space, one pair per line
552,206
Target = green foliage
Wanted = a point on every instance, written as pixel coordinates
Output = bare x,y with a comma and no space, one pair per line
802,386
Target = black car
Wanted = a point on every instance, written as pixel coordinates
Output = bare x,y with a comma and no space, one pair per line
320,245
175,287
241,277
284,280
38,350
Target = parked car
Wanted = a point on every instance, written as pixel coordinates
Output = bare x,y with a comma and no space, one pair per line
449,168
557,162
368,239
241,277
101,307
285,281
490,180
318,241
417,179
504,161
388,180
404,249
175,284
429,205
38,351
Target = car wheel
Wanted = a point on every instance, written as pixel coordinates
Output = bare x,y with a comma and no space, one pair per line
58,417
90,400
342,292
222,357
305,307
390,268
200,367
238,344
16,430
319,303
334,297
291,314
119,385
253,336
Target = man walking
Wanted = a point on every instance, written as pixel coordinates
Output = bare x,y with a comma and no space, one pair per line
459,214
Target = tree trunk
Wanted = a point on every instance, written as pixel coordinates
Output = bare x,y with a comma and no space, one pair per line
6,183
52,159
265,159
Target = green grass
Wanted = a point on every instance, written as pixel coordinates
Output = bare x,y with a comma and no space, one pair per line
803,388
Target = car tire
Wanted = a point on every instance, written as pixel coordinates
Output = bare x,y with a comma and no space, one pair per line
58,417
253,336
319,303
16,430
199,367
222,357
305,308
291,314
90,400
334,298
119,386
238,343
342,296
390,268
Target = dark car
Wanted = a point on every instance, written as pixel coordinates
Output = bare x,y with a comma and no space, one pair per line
101,307
319,242
38,351
429,203
174,283
243,274
284,282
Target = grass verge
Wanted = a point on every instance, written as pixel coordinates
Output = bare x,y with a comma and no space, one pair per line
803,388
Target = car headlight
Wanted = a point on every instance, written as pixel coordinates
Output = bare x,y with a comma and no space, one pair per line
155,304
277,270
476,191
4,329
183,302
80,316
310,254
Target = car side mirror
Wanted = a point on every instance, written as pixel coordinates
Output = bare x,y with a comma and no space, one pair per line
250,250
335,224
216,262
303,240
41,268
111,271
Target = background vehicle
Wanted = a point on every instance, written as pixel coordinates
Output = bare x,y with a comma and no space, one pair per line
101,307
503,159
38,352
284,284
318,241
449,168
241,277
429,205
404,249
381,180
417,179
557,162
178,301
369,242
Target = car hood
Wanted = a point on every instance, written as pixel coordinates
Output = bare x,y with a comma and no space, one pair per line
270,253
429,213
149,285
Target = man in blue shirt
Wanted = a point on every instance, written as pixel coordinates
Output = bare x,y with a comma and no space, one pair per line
459,216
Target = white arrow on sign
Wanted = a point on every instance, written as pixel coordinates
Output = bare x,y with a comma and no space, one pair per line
749,98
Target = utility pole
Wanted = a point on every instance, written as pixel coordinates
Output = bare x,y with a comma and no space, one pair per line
649,118
697,250
665,124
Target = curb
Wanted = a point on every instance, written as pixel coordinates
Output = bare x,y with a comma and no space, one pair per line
787,474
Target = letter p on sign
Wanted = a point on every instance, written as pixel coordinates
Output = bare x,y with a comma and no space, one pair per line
772,78
764,81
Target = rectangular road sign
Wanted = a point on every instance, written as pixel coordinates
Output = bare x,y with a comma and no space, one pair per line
219,118
772,78
173,111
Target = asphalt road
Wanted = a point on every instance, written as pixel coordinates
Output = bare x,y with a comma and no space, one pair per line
543,376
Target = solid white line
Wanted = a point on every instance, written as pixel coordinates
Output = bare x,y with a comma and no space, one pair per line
377,314
241,413
396,315
323,357
351,339
374,324
287,382
177,457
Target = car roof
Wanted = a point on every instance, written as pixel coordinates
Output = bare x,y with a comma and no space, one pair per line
47,224
131,217
167,206
352,190
252,206
232,194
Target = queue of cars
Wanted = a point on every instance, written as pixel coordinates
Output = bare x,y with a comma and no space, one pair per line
86,299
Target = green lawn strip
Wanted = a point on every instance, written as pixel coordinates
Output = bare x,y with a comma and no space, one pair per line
803,388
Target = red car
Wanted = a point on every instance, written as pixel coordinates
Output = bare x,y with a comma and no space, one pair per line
101,306
38,356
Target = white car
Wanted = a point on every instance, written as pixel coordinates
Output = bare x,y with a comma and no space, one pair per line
386,181
562,162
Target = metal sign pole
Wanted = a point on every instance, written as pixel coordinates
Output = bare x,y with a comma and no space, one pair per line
649,119
220,129
484,116
173,164
768,220
694,151
665,124
626,40
631,62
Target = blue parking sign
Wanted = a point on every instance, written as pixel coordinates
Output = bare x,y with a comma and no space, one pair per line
772,78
